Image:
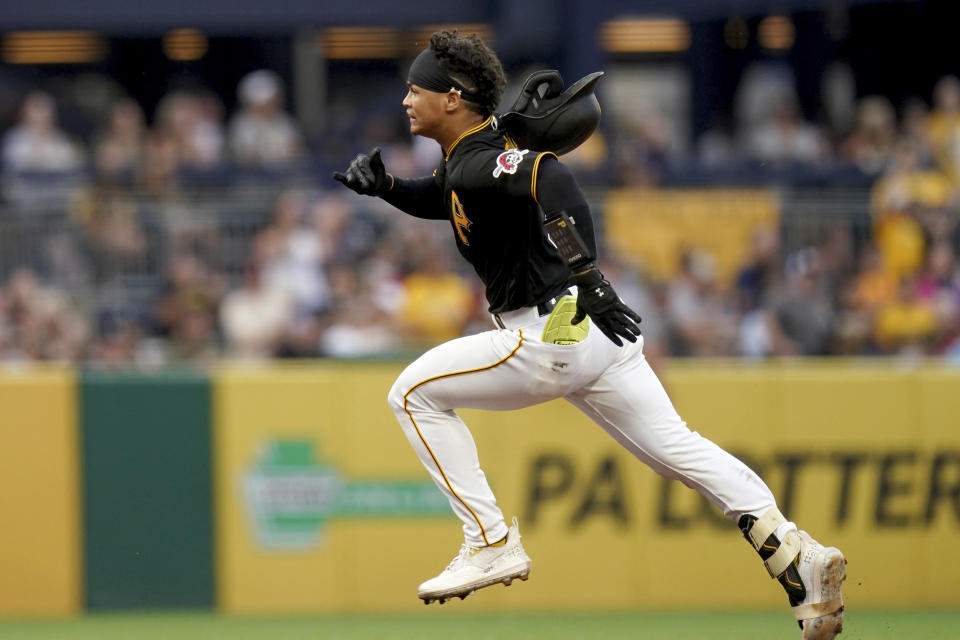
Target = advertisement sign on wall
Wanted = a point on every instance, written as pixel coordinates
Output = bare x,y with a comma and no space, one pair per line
324,507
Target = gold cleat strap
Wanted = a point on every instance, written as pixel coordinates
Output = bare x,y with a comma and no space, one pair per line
764,526
789,546
784,555
558,329
817,609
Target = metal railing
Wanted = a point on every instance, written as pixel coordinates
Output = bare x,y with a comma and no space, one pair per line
112,250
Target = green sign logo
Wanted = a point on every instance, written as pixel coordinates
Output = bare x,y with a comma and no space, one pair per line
291,494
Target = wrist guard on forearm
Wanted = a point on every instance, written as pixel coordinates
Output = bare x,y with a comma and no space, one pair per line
562,231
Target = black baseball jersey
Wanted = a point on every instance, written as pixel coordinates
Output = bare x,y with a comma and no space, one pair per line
489,194
494,196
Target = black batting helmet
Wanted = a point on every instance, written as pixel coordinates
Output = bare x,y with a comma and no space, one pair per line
547,118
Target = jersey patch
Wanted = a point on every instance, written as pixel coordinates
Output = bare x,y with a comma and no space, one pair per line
508,161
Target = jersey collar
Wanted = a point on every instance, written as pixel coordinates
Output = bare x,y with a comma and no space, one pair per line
466,133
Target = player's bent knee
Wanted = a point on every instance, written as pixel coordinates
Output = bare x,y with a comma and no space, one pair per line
395,397
404,396
403,404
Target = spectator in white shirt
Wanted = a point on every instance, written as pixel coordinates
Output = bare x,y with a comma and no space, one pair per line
262,134
35,143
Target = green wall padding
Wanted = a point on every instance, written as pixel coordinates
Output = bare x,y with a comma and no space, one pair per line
148,532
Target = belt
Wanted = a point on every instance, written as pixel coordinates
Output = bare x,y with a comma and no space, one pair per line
524,315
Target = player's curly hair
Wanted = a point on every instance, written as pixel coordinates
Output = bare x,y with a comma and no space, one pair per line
472,64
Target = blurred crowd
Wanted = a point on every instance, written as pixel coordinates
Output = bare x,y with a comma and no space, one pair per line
315,271
189,132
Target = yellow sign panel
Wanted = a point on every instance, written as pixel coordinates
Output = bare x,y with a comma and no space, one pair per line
39,493
323,506
655,227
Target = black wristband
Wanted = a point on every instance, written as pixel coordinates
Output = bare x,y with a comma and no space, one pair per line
586,275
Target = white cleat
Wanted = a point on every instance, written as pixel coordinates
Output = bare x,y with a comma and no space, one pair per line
822,571
478,567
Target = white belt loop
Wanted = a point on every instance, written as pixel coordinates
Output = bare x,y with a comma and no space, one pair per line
516,319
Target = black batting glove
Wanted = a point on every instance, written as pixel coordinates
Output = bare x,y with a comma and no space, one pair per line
596,298
366,175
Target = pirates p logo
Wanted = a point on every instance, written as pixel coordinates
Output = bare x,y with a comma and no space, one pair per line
460,221
508,161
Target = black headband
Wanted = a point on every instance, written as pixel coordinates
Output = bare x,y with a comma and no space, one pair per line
425,72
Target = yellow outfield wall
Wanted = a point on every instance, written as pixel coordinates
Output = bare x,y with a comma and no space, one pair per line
322,505
39,493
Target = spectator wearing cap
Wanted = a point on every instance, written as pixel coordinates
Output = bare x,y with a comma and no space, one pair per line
700,319
262,134
803,307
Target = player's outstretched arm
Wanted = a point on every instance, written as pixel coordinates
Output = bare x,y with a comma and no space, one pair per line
366,175
420,197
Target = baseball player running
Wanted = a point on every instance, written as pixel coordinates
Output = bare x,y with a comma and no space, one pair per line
561,332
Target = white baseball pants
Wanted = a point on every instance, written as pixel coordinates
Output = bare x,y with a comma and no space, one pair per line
511,368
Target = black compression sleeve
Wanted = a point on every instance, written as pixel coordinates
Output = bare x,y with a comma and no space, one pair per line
557,190
420,197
